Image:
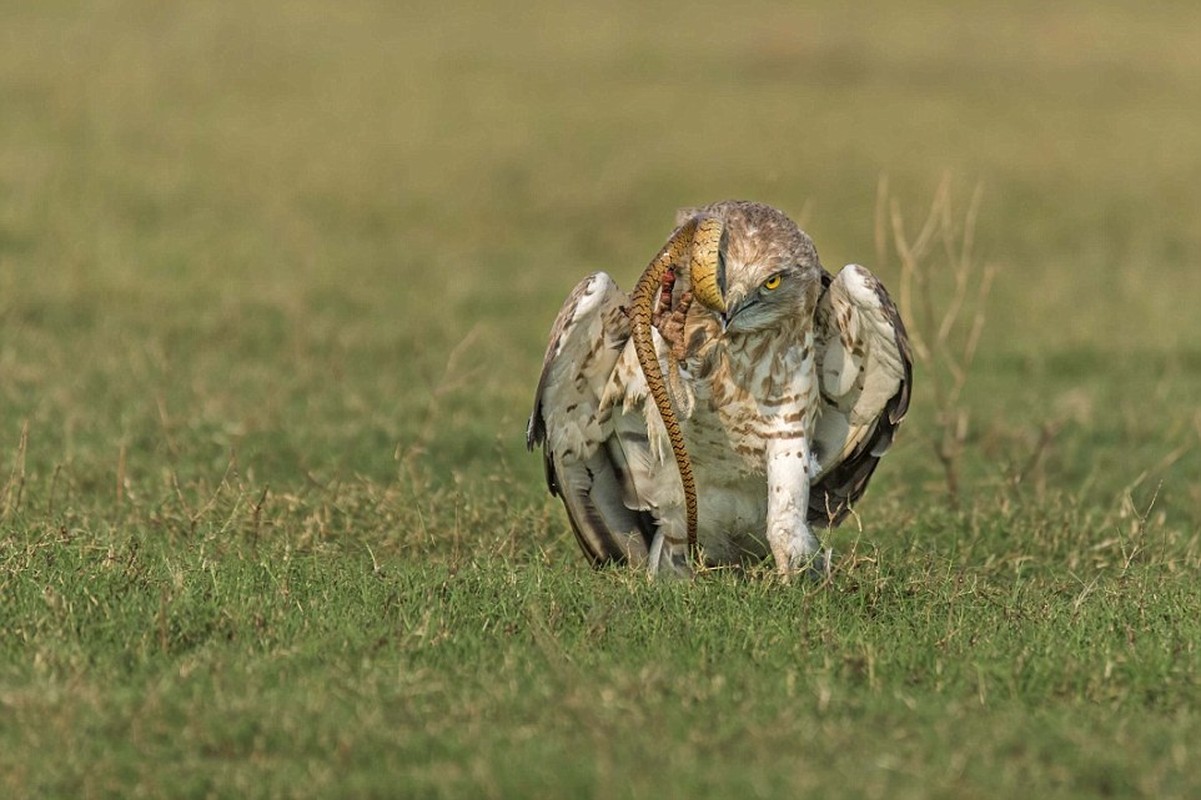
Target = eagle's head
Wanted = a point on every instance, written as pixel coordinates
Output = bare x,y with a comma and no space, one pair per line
764,268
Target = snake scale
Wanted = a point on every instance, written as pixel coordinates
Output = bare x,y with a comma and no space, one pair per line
699,239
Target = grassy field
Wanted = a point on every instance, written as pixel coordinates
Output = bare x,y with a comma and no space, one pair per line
275,280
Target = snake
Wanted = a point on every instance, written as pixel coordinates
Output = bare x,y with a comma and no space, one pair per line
698,239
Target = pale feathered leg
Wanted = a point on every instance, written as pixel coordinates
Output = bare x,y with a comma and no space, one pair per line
792,542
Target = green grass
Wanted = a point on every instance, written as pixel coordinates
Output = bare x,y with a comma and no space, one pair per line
275,280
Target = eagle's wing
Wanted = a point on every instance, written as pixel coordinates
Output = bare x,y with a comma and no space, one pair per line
586,464
865,368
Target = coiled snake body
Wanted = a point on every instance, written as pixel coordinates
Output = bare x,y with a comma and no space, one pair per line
699,239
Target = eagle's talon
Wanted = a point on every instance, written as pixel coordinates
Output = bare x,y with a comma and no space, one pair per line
663,308
666,286
670,322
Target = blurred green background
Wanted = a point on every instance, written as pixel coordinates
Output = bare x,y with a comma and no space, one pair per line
359,186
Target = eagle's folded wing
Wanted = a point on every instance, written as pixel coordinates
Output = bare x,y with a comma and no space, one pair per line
866,368
585,463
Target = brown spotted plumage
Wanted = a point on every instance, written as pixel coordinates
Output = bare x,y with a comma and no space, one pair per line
788,384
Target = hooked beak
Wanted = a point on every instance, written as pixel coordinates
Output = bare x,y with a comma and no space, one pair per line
707,270
732,310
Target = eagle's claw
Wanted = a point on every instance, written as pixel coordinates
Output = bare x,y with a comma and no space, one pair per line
670,321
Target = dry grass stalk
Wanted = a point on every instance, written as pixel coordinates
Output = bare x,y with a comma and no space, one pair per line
945,322
14,490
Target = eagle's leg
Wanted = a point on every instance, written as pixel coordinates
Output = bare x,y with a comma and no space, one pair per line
668,557
793,544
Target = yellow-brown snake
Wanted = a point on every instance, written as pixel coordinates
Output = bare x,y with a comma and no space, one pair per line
699,237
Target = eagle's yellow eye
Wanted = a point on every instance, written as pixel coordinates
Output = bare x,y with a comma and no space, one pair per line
772,283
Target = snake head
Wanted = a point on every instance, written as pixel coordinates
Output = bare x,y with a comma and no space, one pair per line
707,267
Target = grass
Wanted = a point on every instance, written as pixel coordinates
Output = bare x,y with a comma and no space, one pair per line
274,286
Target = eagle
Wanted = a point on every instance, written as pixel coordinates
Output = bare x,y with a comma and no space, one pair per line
788,384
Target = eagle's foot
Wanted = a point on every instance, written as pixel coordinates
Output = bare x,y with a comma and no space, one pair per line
799,553
667,285
670,322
